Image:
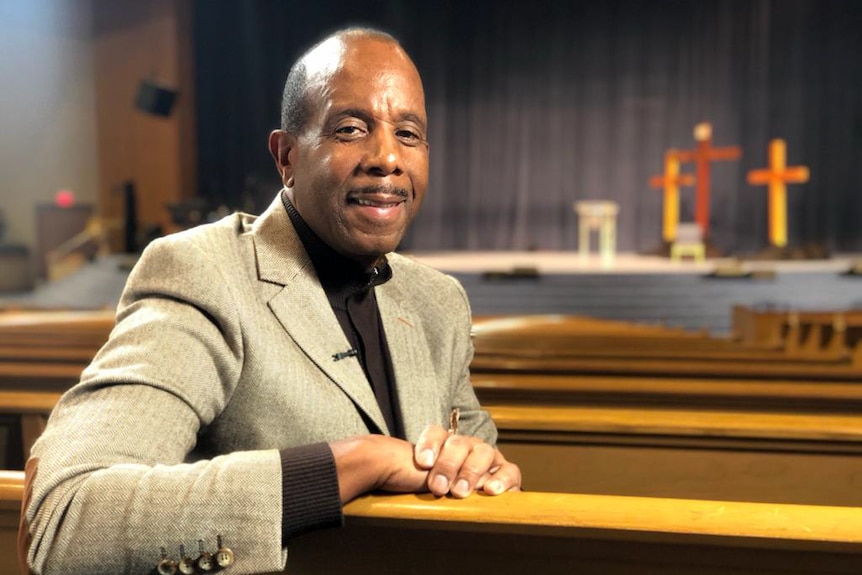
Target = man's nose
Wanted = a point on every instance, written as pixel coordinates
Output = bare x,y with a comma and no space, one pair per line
382,155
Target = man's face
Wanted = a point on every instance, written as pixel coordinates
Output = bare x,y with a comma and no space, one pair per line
360,166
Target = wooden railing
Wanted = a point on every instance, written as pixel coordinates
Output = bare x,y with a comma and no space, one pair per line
553,533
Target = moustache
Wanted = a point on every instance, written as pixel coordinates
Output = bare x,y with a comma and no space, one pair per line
380,190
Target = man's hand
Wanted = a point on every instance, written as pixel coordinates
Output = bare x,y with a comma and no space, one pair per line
458,464
369,462
440,462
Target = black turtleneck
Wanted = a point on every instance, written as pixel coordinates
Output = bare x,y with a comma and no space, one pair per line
349,287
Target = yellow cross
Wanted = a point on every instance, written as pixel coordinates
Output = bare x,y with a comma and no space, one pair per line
671,181
777,176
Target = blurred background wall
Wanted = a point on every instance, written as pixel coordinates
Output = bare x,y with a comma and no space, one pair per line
47,109
535,104
532,105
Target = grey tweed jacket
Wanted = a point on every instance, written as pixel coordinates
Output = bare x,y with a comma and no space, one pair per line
221,356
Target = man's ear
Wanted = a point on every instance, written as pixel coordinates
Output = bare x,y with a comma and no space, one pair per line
281,147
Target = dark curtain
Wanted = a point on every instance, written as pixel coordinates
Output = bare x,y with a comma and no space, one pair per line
534,105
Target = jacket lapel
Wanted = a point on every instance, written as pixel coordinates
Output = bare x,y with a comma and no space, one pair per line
303,310
411,361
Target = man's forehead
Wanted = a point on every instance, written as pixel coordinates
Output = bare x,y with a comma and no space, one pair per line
357,53
325,59
337,68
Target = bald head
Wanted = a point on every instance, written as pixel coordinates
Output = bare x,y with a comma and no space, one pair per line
314,68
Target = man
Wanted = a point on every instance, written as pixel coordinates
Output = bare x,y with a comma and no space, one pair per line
264,371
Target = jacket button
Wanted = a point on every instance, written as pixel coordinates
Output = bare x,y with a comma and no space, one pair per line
224,556
167,567
185,566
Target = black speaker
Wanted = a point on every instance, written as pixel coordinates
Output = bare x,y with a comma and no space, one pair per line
155,99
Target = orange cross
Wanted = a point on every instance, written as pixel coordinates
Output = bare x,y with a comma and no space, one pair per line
702,156
776,177
671,181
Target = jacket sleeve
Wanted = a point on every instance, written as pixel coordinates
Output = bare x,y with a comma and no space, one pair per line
111,478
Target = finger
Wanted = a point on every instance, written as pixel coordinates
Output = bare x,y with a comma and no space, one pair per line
474,467
486,476
428,446
506,478
449,461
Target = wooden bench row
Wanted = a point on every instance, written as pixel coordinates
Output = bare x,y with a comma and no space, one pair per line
777,326
663,366
760,395
26,414
746,455
701,454
660,421
559,337
559,342
555,534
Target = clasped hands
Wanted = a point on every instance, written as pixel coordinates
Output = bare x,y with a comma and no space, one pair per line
459,464
440,462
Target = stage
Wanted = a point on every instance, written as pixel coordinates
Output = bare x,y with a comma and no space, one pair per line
630,287
647,288
621,264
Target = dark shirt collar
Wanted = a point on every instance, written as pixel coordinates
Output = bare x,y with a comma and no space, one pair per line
337,273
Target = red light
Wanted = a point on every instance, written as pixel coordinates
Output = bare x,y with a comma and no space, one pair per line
64,198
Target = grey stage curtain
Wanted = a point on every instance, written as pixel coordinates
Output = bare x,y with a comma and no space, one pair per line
534,105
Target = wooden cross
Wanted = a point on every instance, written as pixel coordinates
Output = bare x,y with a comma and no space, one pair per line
671,181
702,156
777,176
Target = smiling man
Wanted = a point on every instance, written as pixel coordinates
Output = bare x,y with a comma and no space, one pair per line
266,370
353,152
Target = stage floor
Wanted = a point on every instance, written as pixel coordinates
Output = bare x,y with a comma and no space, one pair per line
623,263
647,289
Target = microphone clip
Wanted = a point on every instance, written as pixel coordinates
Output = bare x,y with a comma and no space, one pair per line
343,354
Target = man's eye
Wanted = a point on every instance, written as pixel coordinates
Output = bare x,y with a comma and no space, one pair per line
409,137
349,132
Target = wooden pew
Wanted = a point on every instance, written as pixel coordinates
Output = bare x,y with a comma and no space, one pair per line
668,416
552,533
11,495
586,534
668,452
762,395
37,375
685,453
785,368
18,352
48,349
42,354
516,345
757,325
569,343
507,384
25,414
802,332
41,321
651,447
52,329
744,439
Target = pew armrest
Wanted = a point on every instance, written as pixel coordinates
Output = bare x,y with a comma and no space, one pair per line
731,523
